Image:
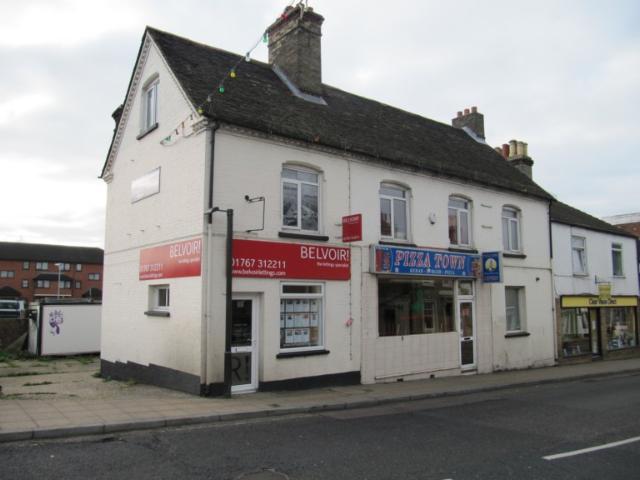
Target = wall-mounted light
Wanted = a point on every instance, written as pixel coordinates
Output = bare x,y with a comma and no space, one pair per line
432,218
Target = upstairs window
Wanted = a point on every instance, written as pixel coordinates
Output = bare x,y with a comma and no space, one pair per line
616,257
511,229
393,212
300,199
94,276
459,221
25,265
149,105
579,255
42,265
514,301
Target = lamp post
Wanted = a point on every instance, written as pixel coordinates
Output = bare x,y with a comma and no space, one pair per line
59,265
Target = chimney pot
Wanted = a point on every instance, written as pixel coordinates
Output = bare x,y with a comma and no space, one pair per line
505,150
466,111
474,109
473,120
459,114
513,148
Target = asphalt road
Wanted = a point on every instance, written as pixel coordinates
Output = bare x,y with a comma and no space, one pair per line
495,435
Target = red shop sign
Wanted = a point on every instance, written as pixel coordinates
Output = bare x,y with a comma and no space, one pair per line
352,228
181,259
253,258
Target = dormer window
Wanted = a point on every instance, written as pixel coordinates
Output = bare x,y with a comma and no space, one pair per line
150,105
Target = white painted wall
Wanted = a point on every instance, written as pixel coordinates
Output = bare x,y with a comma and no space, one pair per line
599,262
252,166
174,214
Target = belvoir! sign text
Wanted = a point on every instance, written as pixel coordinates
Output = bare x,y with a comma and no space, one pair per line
252,258
180,259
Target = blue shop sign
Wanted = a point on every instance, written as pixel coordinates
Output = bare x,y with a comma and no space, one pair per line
420,261
492,267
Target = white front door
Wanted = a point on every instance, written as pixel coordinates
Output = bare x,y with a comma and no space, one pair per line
467,337
244,341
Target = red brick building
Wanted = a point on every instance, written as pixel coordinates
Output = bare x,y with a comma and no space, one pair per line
31,271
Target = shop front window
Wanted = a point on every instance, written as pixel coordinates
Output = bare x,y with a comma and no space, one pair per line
621,327
575,332
410,307
301,316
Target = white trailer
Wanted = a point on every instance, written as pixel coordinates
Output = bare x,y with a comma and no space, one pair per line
65,328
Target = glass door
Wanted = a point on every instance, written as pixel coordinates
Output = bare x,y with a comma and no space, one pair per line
467,350
243,345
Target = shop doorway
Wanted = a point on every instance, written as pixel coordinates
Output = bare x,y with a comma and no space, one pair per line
466,325
244,343
594,320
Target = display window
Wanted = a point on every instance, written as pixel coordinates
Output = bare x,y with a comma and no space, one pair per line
621,327
411,307
301,316
576,338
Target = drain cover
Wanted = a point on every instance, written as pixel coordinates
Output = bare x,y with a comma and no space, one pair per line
263,475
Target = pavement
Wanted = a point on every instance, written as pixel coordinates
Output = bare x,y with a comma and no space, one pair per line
64,398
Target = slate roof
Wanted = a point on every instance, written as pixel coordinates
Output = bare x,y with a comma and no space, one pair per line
259,100
37,252
562,213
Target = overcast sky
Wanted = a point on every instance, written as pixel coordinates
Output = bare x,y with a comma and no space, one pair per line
562,76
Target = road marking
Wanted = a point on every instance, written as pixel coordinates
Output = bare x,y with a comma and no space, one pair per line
591,449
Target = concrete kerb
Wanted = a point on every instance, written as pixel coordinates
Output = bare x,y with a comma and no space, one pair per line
281,411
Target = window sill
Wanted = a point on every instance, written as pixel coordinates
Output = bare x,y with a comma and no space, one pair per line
463,249
398,243
516,334
304,353
584,275
619,276
157,313
513,255
304,236
147,131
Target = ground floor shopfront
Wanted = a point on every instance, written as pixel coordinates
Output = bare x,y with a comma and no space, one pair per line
591,327
308,315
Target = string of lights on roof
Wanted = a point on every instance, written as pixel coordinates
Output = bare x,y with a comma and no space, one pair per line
184,128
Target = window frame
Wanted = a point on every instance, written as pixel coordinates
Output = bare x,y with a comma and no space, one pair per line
583,249
321,320
78,284
513,224
43,284
299,183
42,266
7,274
520,308
150,86
23,283
458,211
616,248
93,276
392,199
155,305
26,265
78,267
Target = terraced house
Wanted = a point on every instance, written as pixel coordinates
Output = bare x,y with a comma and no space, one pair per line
359,232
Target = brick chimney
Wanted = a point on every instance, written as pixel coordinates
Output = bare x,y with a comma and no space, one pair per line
294,46
471,119
517,154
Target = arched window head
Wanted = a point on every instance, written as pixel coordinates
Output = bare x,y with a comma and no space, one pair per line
300,198
459,221
394,212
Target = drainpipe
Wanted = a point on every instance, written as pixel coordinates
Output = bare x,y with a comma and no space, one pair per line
207,288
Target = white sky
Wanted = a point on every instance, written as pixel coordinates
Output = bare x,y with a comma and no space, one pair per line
562,76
